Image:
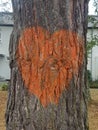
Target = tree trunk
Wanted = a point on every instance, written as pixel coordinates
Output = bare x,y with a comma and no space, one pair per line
48,66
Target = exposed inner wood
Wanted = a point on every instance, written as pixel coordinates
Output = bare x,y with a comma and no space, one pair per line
48,62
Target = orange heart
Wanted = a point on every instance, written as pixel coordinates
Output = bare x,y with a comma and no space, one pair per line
47,61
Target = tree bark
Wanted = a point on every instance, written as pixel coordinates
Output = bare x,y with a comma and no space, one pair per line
48,66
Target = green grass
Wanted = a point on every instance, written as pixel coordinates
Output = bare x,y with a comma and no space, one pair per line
94,84
3,86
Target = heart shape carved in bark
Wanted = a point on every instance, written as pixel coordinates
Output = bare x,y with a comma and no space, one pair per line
47,62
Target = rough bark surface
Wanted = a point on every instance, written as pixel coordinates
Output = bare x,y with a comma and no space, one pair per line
48,66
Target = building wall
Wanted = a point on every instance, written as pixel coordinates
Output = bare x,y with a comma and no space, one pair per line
5,32
94,63
93,57
4,68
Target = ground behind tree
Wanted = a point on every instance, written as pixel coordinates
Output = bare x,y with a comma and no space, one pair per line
93,109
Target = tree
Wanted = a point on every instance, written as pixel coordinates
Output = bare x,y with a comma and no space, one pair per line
93,20
92,41
48,66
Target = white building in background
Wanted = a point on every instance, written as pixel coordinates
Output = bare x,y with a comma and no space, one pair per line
93,57
6,26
